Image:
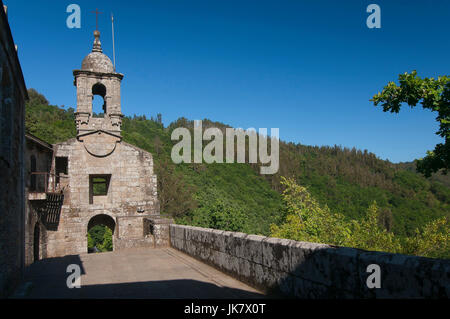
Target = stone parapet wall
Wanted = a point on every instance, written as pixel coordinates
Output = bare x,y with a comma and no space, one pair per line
127,243
310,270
158,228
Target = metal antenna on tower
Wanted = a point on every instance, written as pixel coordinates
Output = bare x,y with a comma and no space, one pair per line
114,52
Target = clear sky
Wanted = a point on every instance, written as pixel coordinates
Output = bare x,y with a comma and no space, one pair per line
308,68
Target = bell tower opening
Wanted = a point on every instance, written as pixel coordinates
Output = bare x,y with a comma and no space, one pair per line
98,100
98,93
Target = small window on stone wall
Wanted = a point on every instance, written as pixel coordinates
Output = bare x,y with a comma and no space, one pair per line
98,186
61,164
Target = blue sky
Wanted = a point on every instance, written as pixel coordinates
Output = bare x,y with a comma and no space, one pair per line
306,67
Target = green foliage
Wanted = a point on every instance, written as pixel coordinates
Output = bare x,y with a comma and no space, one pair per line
96,235
107,244
237,187
100,236
175,196
48,122
432,241
187,191
99,186
307,221
370,235
219,214
349,180
433,94
91,243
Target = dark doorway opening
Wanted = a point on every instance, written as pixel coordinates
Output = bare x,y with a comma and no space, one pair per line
36,242
61,164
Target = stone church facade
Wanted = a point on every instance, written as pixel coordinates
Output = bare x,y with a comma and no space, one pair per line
100,178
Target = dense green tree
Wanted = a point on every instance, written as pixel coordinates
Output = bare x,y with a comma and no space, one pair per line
433,94
48,122
100,236
107,243
370,235
175,196
220,214
96,233
90,241
433,240
308,221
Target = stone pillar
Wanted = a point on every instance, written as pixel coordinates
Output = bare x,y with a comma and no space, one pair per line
159,228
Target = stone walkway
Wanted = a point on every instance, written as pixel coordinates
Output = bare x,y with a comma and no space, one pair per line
135,273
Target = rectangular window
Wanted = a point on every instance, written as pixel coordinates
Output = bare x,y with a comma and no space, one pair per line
61,164
98,187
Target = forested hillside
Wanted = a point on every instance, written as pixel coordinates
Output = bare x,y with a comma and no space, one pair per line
236,197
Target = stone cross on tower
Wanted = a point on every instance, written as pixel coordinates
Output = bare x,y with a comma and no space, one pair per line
96,17
97,77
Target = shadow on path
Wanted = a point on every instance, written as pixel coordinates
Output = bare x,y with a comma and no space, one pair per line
47,279
164,289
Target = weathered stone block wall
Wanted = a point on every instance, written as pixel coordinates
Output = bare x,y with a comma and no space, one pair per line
132,194
86,81
158,228
153,234
130,227
309,270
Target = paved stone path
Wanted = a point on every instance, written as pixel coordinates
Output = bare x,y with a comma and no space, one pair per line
135,273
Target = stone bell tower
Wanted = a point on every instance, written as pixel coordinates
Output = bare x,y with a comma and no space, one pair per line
105,181
98,77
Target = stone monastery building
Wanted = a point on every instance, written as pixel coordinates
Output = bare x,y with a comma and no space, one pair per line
95,178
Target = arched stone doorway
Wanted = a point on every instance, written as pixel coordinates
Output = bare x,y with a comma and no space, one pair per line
94,227
36,242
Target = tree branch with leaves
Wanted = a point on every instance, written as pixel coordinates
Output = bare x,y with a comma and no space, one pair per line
433,94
